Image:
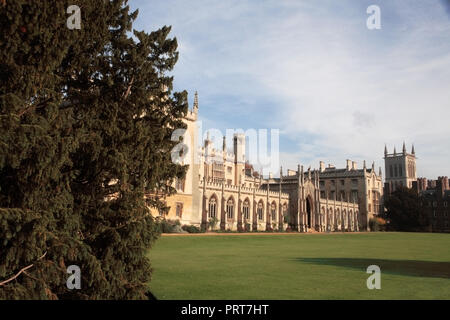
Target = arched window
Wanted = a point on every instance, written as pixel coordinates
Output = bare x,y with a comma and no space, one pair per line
400,170
285,213
246,210
230,209
344,217
260,210
212,208
273,211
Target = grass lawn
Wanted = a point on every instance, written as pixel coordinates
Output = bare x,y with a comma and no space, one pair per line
301,266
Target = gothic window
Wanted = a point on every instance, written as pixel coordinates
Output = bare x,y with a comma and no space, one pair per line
212,208
273,211
395,170
391,172
400,171
230,209
179,185
260,210
179,211
285,213
355,196
246,210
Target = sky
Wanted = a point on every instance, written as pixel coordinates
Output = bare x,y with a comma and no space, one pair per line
312,69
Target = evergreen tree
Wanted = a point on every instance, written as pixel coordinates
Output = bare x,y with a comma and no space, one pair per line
403,211
86,118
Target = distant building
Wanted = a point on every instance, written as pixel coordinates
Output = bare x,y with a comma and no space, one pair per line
220,184
400,169
363,186
436,203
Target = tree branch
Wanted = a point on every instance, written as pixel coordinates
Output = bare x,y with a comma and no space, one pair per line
39,105
126,94
21,271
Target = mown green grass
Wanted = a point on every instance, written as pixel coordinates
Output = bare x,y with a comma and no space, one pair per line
301,266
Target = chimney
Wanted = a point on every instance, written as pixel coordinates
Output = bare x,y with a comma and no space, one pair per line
322,166
349,164
354,166
270,175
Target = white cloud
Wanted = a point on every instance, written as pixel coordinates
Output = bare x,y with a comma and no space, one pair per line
341,91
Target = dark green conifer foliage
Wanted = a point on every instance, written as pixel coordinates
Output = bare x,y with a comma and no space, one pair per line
86,118
404,212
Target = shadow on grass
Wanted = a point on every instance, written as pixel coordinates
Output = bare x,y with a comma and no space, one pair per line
399,267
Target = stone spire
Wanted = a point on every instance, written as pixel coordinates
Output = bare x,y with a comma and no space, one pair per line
379,171
196,102
404,148
224,144
395,151
412,150
385,150
207,140
373,166
281,178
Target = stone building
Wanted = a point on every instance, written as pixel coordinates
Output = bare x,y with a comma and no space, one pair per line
308,211
220,185
400,169
435,201
362,186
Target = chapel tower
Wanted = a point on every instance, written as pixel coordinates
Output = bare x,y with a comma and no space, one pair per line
400,168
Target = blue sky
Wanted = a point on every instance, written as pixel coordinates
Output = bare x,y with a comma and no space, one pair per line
312,69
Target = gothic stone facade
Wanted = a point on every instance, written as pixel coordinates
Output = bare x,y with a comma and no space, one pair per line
363,186
220,184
